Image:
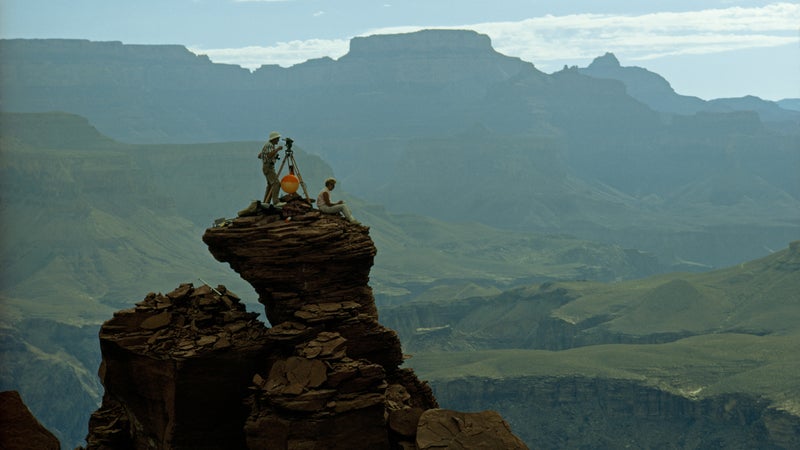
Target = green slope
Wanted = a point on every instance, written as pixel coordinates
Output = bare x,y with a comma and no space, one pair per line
696,367
420,257
87,229
730,331
759,297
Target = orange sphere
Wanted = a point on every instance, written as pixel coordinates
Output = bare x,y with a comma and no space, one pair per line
290,183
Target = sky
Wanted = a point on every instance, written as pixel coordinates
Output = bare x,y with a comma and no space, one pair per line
705,48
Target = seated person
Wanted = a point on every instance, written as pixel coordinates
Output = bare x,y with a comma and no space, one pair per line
325,205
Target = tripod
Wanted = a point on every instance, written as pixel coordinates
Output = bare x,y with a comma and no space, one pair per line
293,169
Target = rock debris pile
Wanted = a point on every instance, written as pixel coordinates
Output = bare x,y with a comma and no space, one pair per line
185,322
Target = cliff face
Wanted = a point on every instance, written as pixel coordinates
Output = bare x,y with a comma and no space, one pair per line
193,369
580,412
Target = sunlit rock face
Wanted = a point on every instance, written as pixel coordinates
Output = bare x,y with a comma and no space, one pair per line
194,369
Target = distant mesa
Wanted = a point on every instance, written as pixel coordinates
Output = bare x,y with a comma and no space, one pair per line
432,41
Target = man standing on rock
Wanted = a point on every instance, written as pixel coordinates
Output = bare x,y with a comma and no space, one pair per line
325,205
268,156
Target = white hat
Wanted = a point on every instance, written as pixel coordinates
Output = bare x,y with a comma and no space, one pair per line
274,135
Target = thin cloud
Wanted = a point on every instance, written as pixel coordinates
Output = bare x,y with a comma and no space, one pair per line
282,53
548,40
645,36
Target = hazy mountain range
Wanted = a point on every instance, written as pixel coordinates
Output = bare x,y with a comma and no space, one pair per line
479,176
414,121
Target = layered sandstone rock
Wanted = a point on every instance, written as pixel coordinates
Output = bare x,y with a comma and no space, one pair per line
338,377
193,369
175,369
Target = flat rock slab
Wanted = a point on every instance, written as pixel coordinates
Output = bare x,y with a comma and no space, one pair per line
453,430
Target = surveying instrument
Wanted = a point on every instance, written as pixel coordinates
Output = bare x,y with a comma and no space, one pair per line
294,171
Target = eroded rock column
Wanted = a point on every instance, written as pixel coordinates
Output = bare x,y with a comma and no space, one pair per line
175,370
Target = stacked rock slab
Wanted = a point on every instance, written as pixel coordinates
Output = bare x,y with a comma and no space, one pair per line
337,380
175,369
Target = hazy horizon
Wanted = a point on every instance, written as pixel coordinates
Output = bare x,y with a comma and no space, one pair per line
709,48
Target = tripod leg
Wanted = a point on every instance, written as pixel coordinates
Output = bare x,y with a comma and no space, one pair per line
300,177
